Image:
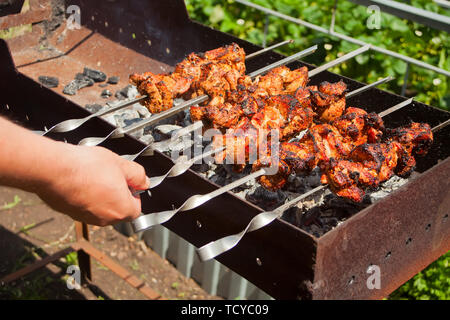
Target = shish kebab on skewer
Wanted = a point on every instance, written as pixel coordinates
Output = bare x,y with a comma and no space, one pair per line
146,221
319,102
161,100
291,81
217,247
182,164
196,200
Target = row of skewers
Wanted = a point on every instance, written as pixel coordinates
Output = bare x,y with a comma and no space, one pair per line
346,144
315,129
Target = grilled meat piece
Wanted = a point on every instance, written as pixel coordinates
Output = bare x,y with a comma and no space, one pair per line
359,126
241,143
416,137
345,178
350,178
329,100
283,113
213,73
328,143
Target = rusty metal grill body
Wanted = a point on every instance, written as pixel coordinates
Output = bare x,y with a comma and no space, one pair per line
402,233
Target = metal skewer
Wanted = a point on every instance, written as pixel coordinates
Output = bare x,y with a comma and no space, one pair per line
277,45
440,126
217,247
149,149
144,222
72,124
120,132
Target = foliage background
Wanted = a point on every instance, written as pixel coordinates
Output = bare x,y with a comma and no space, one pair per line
402,36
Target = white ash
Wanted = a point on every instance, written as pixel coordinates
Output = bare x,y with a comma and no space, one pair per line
143,111
167,128
388,187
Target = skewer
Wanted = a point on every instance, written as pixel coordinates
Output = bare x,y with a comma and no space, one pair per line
440,126
120,132
72,124
144,222
149,149
181,167
217,247
277,45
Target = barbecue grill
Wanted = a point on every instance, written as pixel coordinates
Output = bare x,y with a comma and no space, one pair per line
401,233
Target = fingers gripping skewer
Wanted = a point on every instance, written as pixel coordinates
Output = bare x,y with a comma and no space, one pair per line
120,132
72,124
217,247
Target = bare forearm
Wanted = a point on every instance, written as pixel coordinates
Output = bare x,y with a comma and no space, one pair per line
27,160
90,184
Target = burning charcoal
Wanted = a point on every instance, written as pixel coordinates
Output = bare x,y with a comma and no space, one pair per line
82,77
218,179
266,199
48,82
95,75
94,107
201,167
75,85
124,117
386,188
106,94
113,80
181,145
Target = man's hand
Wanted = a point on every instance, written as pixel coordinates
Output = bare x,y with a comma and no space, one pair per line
92,184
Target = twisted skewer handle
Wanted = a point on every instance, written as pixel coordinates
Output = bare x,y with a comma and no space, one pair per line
146,221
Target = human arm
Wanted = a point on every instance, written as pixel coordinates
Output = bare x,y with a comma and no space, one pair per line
90,184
